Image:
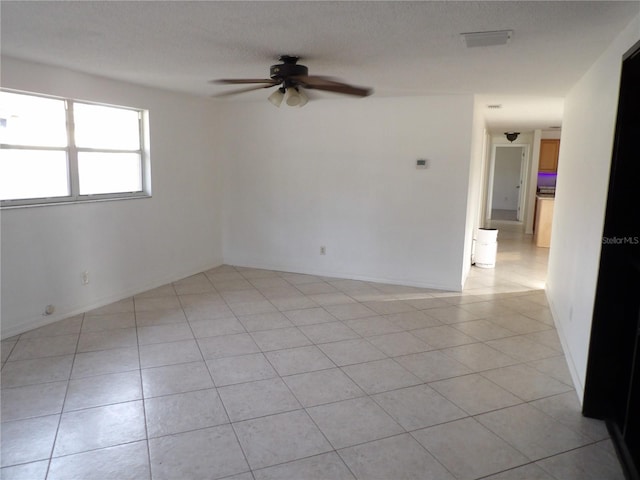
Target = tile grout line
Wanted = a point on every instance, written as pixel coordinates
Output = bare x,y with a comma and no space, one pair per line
64,401
366,395
213,382
303,408
144,406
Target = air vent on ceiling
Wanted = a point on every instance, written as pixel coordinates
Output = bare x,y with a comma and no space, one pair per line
486,39
495,106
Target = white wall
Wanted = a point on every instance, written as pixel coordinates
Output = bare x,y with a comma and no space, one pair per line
341,173
506,177
551,134
476,200
128,246
583,178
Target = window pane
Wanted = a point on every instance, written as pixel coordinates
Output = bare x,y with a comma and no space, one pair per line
109,172
32,121
106,127
33,174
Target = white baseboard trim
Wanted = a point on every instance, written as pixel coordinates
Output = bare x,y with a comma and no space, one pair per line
349,276
27,324
24,325
577,384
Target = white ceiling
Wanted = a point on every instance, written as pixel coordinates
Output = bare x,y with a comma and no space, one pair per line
398,48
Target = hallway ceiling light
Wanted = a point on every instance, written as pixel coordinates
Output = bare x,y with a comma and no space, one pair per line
511,136
486,39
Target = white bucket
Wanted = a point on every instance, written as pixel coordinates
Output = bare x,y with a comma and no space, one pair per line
486,248
487,235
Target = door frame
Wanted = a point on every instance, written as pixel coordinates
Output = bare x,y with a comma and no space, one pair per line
524,163
524,176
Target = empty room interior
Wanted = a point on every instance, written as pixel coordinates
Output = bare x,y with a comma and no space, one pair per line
319,240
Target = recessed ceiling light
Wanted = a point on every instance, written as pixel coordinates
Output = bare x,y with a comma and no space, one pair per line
486,39
495,106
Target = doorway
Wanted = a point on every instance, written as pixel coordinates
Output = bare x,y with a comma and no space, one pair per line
507,181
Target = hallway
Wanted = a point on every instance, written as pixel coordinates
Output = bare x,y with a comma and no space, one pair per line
520,265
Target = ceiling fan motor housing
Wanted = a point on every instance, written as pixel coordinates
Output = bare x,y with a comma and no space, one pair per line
288,68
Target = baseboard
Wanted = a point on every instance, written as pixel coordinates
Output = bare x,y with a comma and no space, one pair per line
342,275
573,371
25,325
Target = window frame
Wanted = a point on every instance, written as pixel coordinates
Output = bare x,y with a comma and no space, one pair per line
72,158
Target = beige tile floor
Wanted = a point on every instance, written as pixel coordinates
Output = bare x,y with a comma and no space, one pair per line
251,374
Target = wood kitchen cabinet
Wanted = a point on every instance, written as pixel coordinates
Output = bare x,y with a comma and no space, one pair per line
543,221
549,150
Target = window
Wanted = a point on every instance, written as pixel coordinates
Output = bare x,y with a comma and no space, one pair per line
60,150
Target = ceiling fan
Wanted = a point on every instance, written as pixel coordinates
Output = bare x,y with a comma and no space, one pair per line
291,80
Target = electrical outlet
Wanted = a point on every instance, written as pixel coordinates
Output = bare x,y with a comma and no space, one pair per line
85,277
323,250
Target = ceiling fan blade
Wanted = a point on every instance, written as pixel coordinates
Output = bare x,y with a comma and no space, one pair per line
242,90
330,85
244,80
345,89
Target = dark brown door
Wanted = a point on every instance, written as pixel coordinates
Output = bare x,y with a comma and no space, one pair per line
612,389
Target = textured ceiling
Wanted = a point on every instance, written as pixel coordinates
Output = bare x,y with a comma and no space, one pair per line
398,48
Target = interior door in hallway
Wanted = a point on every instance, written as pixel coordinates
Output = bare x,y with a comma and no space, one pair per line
508,181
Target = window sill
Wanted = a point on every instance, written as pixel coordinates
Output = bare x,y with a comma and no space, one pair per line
74,201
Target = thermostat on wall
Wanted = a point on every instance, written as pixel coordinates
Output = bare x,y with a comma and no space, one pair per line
421,164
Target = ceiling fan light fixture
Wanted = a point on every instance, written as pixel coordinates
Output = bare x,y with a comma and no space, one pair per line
303,98
276,97
292,97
